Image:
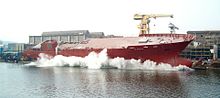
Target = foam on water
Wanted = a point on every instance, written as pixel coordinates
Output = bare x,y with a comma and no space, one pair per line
96,61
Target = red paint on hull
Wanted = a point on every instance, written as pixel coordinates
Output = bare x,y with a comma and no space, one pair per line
161,53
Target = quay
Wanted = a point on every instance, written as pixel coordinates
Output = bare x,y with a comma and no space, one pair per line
201,65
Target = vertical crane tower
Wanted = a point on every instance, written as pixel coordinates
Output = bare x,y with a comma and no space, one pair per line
145,20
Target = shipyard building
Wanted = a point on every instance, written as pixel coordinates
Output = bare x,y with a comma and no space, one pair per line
206,45
16,47
11,47
73,36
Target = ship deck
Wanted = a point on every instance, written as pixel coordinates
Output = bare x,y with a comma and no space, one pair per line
123,42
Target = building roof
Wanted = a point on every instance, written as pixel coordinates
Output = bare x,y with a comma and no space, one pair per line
58,33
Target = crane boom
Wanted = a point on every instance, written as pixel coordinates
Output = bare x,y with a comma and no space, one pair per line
145,20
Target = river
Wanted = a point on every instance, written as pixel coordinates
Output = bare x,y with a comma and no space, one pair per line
19,81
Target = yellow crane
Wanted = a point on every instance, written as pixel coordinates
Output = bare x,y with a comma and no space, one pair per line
145,20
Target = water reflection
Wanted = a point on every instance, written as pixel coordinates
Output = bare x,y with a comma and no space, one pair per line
202,84
72,82
99,83
39,81
146,83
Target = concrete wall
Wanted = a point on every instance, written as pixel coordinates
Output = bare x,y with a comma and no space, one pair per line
64,38
74,38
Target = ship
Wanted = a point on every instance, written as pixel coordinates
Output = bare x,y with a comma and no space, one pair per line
160,48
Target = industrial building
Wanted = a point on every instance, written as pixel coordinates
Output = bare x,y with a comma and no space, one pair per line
96,35
16,47
206,45
11,52
65,36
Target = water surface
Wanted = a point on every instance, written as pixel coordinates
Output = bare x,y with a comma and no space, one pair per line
18,81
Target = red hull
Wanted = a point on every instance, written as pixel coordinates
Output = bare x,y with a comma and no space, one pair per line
160,53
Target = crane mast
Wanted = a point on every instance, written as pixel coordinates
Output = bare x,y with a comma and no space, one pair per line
145,20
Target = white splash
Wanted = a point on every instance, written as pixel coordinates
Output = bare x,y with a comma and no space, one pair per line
96,61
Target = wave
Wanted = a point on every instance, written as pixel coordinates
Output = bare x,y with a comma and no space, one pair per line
101,60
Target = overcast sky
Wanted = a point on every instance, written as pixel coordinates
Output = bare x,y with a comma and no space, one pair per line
22,18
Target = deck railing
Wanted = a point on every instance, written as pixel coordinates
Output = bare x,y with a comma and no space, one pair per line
184,36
